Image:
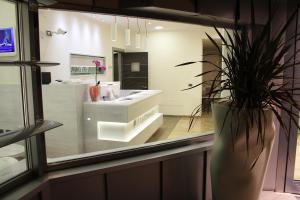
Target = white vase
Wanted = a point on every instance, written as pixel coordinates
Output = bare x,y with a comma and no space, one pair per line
231,173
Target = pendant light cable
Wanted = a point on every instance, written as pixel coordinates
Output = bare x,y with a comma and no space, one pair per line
146,28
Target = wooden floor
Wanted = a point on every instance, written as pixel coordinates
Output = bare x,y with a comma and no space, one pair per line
178,127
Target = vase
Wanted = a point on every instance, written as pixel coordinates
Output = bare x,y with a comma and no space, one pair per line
94,92
237,173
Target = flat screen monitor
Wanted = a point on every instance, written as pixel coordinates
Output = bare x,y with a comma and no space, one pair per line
7,42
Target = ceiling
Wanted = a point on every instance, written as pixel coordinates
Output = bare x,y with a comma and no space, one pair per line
148,24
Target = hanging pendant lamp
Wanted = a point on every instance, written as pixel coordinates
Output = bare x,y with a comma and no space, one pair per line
138,36
127,34
114,30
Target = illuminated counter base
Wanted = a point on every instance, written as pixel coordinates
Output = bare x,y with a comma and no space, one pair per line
138,119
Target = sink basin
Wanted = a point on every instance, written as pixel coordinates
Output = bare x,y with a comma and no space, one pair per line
125,99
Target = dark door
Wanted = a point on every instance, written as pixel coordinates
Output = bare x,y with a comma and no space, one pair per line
117,63
135,71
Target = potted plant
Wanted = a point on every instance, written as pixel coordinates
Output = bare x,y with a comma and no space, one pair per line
244,120
95,90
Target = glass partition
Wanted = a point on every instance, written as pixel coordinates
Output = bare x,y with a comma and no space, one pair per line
13,158
136,95
297,158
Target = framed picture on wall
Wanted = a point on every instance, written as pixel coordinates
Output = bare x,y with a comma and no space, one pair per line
7,42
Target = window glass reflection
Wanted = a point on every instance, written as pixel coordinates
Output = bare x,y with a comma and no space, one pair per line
109,94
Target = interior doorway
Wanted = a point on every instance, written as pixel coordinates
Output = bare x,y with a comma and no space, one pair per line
117,64
212,55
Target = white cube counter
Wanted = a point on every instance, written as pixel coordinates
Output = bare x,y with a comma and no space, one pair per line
130,119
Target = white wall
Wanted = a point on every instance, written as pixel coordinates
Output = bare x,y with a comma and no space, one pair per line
167,49
86,35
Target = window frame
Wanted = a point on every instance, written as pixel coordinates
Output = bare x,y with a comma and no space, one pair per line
35,168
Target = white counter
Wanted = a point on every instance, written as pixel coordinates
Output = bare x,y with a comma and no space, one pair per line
128,120
83,120
124,109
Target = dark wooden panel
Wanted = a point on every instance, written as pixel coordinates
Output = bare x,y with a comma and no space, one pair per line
183,178
208,191
182,5
107,4
36,197
139,183
89,188
136,79
226,9
77,2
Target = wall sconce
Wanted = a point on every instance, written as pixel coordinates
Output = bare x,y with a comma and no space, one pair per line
58,32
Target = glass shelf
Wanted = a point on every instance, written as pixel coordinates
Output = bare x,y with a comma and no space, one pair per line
28,63
10,137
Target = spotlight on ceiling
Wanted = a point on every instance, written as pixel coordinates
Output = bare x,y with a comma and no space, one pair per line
158,27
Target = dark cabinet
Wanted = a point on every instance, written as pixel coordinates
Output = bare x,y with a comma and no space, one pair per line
138,183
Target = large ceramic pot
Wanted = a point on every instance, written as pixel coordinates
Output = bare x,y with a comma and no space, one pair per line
231,173
94,92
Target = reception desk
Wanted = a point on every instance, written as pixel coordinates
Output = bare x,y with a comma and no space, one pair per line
130,119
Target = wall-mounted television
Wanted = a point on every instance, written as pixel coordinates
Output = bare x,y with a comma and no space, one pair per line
7,42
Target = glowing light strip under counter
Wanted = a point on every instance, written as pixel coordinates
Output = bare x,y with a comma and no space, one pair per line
125,132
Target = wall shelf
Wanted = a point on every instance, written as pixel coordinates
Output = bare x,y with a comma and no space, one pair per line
11,137
28,63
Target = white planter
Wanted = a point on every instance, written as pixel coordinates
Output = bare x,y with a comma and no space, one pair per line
231,173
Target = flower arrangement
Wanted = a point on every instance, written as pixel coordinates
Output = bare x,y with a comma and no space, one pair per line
99,67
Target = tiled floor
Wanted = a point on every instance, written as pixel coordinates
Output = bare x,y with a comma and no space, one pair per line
277,196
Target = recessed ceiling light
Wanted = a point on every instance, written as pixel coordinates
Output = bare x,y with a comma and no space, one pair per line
158,27
149,23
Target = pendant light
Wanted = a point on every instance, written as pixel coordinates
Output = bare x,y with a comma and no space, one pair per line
146,29
146,36
114,30
127,34
138,36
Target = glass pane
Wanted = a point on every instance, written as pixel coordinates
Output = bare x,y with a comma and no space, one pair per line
139,99
297,161
13,159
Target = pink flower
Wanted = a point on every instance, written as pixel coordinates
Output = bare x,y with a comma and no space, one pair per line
99,65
